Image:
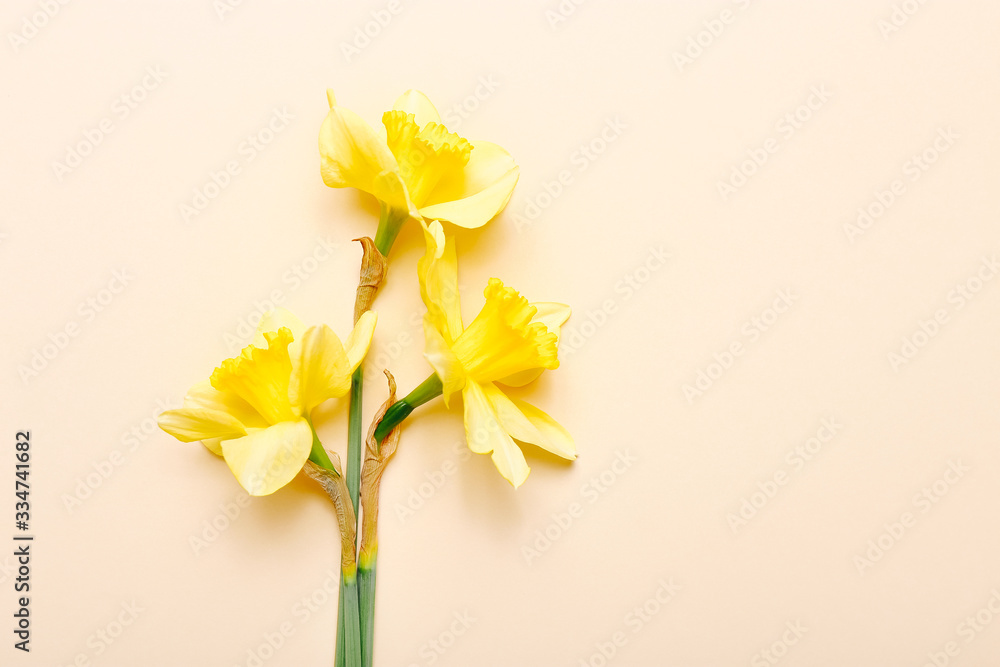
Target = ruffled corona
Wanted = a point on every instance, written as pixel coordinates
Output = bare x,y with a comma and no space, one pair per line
261,376
503,339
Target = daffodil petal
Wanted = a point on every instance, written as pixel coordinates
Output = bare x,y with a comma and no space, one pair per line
527,423
478,209
352,153
204,395
389,187
267,460
415,102
488,163
553,316
214,445
482,191
323,370
484,435
273,320
438,271
439,355
557,439
522,378
190,424
360,338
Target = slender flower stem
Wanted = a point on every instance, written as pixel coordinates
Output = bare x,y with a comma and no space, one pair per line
389,225
352,619
353,475
318,454
390,221
366,606
354,442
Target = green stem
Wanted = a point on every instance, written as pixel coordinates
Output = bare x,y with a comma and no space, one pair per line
389,224
401,409
319,456
355,445
366,604
353,475
339,655
352,620
318,453
390,221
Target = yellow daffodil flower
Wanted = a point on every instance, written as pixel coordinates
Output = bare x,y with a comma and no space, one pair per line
414,166
254,410
510,342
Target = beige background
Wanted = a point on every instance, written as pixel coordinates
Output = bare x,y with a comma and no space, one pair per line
456,540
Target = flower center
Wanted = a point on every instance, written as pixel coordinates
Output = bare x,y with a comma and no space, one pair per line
503,340
426,156
261,376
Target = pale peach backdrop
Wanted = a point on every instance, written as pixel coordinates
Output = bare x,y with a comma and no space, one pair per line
720,530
